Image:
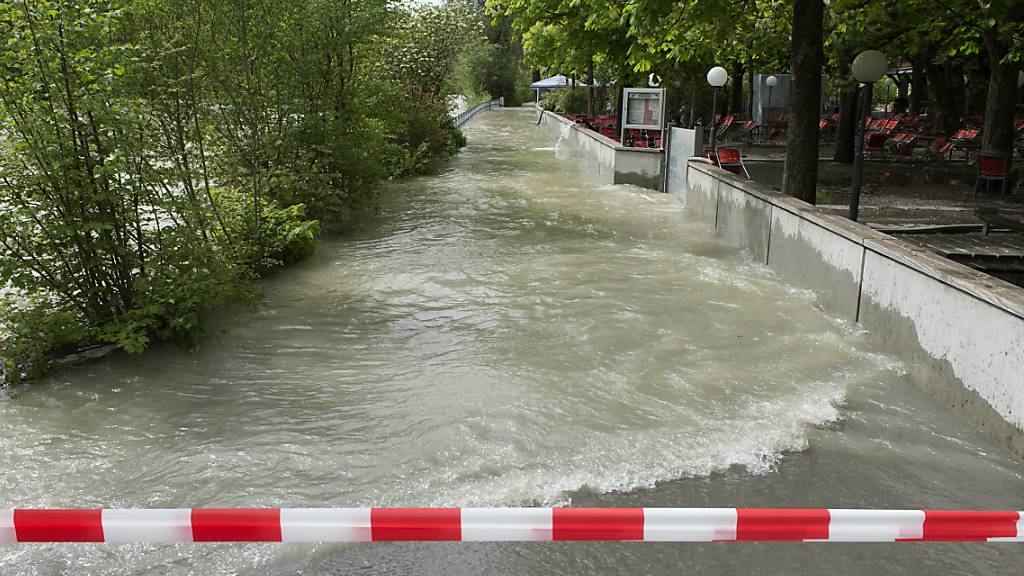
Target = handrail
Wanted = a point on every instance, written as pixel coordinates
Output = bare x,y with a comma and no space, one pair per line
464,118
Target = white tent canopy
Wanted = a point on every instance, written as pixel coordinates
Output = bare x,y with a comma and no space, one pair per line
557,81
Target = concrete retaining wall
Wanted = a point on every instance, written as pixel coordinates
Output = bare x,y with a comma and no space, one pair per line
683,144
614,164
961,332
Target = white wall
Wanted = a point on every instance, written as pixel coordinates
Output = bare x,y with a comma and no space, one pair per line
961,332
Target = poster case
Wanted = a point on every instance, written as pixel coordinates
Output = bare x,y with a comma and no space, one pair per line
643,108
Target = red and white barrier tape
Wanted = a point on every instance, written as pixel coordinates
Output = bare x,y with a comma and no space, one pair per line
508,524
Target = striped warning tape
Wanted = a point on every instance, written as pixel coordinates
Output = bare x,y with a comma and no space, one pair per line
508,524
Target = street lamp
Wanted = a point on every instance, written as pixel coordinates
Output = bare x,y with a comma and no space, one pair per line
717,77
772,82
868,67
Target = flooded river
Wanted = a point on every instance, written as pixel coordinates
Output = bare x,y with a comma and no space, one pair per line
508,332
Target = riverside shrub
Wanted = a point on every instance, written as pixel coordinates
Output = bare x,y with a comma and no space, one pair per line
158,156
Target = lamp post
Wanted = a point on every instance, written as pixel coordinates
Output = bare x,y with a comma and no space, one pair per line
868,67
772,82
888,93
717,77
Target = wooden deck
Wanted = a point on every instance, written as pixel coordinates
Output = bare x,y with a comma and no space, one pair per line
997,252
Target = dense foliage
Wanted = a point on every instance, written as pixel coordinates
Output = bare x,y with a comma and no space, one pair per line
946,42
157,156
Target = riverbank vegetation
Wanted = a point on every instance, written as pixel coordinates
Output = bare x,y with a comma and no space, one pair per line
158,156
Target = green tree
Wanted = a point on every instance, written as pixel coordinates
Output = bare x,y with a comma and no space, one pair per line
156,156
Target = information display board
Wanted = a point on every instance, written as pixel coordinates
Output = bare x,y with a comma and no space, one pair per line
643,108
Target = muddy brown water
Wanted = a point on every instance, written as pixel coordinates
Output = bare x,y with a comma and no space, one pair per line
508,332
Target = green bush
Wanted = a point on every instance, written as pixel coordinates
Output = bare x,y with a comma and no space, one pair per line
566,100
33,330
147,179
424,134
280,235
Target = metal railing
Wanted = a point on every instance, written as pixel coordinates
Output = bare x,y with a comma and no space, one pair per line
463,118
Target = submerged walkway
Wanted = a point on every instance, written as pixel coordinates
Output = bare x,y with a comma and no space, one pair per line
507,333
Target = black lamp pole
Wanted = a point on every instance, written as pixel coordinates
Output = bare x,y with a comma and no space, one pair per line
714,123
858,155
868,67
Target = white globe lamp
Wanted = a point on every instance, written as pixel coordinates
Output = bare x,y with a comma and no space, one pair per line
869,66
717,77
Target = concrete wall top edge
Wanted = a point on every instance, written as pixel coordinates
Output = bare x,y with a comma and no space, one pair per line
977,284
559,117
851,230
972,282
842,225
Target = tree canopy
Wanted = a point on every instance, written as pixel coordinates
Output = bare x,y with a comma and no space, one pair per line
679,39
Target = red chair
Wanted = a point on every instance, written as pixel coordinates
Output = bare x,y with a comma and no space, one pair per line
729,158
993,168
939,152
723,130
778,127
874,143
750,130
903,144
967,142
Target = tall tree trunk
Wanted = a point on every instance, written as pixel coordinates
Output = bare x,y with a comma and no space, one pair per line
750,88
998,134
591,96
945,89
846,128
736,94
917,85
618,106
800,177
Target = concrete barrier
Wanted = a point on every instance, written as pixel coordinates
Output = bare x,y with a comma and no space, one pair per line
613,163
683,145
961,332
